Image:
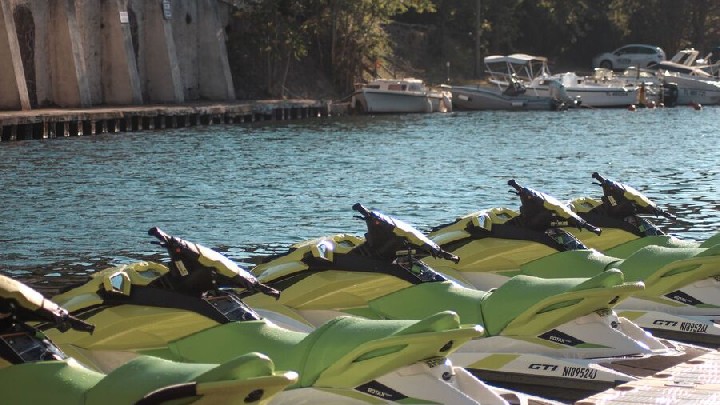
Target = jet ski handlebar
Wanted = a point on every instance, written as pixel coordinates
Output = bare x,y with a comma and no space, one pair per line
58,317
416,238
534,203
25,304
618,190
199,259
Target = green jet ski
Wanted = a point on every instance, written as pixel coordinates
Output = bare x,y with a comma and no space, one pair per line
681,298
33,370
620,213
538,332
180,313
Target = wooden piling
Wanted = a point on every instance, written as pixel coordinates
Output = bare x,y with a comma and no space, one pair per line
55,123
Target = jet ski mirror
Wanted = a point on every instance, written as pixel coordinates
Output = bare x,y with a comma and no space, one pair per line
323,250
118,283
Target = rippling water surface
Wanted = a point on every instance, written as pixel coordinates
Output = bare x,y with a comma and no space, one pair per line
84,202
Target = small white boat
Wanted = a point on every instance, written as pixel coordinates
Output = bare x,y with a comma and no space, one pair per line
694,85
599,90
507,89
400,96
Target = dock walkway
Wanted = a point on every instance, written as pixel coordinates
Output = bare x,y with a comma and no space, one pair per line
696,381
52,123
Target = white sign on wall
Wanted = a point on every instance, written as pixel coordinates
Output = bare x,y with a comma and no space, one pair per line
167,10
124,19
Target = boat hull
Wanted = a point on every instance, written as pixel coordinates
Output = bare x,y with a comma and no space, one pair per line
393,102
697,91
604,97
480,98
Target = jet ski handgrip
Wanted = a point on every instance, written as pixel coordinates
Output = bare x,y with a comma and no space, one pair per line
598,177
79,325
592,228
449,256
158,233
361,209
512,183
667,215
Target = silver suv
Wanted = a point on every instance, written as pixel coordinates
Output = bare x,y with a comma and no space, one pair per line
637,55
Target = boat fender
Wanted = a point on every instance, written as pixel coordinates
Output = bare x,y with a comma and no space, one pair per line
428,106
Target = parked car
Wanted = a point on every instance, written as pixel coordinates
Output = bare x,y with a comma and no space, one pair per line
637,55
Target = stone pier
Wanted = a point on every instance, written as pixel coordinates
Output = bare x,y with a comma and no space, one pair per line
86,53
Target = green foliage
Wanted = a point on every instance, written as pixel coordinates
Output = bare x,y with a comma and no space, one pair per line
347,40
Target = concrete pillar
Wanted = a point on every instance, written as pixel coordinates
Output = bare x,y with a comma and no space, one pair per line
160,60
215,78
13,88
120,78
70,85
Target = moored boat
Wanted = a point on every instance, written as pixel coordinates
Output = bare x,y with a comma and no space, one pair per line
400,96
506,88
695,86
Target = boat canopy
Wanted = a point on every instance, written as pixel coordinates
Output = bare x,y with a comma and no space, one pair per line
679,68
516,58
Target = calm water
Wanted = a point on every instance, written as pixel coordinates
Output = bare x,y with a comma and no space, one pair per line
77,204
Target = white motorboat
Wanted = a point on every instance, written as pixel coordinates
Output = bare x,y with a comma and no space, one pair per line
694,85
600,90
506,87
603,89
689,57
400,96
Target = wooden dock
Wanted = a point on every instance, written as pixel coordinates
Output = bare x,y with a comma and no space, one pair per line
56,123
696,381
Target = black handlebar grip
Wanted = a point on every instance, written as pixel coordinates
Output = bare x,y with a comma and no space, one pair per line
452,257
598,177
666,214
594,229
359,208
156,232
79,324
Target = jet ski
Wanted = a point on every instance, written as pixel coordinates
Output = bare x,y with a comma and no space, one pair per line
33,370
621,212
538,332
680,300
188,312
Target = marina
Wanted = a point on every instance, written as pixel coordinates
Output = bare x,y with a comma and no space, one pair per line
196,211
81,204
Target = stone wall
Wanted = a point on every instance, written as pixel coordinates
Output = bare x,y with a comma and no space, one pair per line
82,53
